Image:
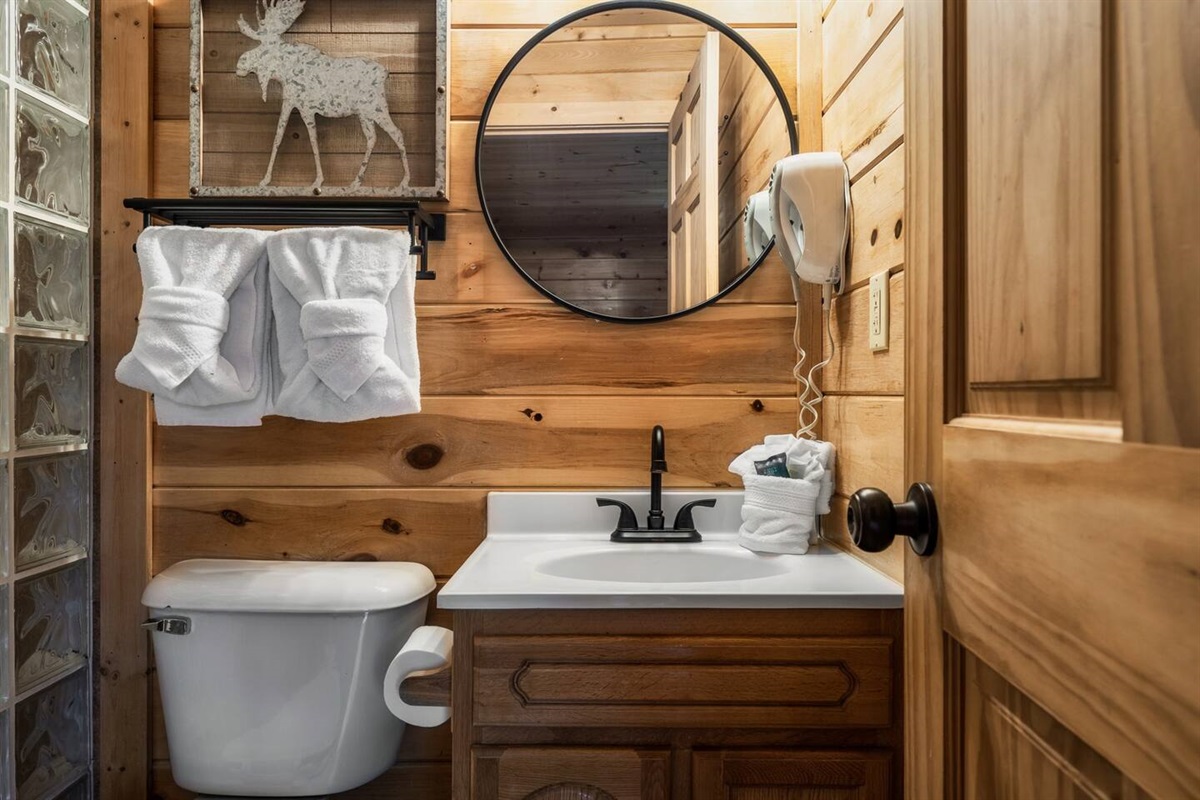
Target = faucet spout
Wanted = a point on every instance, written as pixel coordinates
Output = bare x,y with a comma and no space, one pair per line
658,465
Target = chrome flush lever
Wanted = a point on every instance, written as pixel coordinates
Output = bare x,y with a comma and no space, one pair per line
176,626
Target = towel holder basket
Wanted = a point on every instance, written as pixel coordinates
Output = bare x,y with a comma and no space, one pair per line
423,225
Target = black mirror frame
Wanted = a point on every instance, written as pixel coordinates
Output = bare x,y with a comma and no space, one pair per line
616,5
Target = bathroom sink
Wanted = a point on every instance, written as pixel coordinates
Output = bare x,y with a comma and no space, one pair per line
641,564
553,550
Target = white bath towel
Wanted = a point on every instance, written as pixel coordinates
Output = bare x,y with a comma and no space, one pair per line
345,324
202,333
803,457
779,514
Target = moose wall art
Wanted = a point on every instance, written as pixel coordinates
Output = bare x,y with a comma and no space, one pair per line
334,98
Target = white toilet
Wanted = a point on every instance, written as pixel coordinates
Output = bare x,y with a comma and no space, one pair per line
272,672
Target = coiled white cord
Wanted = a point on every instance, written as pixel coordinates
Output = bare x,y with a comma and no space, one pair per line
808,393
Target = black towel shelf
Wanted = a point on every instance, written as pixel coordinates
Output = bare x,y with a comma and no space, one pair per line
423,225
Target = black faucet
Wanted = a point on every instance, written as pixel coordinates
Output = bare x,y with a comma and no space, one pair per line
684,529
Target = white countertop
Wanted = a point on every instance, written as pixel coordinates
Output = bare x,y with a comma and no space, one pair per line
534,534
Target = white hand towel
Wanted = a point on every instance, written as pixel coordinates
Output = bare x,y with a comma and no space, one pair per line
779,514
345,322
202,329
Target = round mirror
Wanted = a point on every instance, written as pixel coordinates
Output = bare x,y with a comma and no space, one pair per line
623,159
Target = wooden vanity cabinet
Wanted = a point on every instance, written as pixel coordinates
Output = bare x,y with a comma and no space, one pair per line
672,704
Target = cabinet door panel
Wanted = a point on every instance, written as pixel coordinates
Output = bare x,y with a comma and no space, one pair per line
569,773
683,681
791,775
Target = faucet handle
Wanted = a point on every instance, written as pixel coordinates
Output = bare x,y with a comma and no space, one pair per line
683,519
628,520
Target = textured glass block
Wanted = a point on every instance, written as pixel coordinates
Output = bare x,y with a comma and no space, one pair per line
53,46
4,37
51,500
53,164
51,392
5,641
4,525
5,132
52,733
5,378
50,270
4,254
6,756
51,623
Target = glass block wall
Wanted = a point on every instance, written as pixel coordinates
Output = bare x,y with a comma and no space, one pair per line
45,399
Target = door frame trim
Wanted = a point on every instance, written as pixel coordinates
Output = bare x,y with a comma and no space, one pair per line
931,239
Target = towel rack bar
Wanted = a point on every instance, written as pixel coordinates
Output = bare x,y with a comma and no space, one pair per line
423,225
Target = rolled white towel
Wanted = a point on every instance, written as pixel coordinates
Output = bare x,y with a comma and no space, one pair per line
810,465
345,323
201,345
778,514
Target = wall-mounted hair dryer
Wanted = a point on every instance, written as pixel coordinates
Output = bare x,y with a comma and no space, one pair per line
809,199
809,196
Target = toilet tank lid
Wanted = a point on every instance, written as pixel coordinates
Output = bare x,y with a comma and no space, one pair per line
211,584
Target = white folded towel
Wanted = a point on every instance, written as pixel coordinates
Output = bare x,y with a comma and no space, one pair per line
803,456
345,323
202,333
779,514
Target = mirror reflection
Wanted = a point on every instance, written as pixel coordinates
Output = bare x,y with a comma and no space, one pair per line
618,159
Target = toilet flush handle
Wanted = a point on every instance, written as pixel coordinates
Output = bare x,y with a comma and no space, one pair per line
176,626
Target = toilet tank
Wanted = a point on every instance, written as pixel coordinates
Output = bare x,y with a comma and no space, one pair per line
276,687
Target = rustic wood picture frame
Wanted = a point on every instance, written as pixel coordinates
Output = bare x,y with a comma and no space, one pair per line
236,144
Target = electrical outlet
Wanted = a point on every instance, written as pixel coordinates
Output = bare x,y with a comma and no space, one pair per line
878,338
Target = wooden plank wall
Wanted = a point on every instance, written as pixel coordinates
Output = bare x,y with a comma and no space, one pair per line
517,393
752,138
862,80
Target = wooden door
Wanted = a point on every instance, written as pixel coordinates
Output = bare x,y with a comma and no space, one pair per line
1053,641
791,775
693,269
569,773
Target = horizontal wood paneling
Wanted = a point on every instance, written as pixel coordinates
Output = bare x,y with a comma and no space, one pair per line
877,227
854,29
514,13
479,55
481,441
867,118
488,350
868,433
435,527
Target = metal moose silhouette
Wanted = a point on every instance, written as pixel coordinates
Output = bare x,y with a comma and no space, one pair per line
316,84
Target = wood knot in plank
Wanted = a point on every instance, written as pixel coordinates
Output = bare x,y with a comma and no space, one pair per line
536,416
757,406
424,456
233,517
393,526
361,557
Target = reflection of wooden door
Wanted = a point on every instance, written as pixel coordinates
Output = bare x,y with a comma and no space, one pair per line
693,274
1053,641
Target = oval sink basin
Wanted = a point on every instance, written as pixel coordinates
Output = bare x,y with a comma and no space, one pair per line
640,565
